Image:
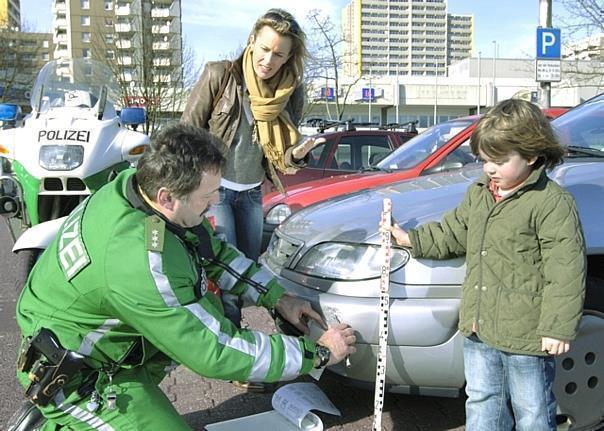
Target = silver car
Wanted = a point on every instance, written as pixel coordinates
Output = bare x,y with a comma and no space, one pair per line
329,254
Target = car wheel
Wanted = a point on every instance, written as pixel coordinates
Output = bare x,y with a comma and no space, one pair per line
25,262
579,385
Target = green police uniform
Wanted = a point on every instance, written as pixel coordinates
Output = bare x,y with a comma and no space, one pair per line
128,290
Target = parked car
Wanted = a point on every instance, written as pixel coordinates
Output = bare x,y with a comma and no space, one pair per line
443,147
329,254
344,152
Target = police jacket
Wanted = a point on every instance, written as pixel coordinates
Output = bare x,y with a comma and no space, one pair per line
119,284
525,262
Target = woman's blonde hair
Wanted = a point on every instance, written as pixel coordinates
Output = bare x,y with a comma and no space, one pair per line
517,125
285,24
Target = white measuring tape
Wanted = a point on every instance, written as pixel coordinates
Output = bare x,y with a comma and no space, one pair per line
380,372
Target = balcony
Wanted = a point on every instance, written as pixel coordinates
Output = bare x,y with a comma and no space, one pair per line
123,9
124,28
160,12
123,44
159,62
124,61
161,46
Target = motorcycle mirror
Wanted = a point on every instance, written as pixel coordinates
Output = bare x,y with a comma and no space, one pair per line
9,111
101,103
133,116
38,101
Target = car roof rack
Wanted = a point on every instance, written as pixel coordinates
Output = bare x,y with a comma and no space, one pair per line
409,126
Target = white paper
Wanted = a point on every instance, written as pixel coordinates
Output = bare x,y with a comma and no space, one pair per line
293,404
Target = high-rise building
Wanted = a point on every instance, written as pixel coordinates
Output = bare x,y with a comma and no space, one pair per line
140,39
403,37
10,14
588,48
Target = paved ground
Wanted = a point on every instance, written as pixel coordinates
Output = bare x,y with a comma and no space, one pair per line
204,401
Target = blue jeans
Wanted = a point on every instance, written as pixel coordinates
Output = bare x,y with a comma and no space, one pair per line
508,391
238,218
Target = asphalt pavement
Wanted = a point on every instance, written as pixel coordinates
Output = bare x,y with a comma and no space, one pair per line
203,401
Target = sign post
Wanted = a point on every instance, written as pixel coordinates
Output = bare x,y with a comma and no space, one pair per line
547,60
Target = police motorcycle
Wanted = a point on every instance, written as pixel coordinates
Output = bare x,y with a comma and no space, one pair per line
72,143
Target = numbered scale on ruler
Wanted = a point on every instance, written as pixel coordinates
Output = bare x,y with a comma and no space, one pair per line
380,373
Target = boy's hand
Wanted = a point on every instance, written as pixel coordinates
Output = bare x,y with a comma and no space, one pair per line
553,346
401,237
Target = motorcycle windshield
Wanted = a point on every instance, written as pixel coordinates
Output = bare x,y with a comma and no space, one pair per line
77,82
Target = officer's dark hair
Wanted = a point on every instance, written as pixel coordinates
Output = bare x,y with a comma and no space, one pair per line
177,159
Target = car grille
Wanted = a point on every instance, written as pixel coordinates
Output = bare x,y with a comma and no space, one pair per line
280,251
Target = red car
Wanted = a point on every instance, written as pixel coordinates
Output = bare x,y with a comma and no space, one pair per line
345,152
442,147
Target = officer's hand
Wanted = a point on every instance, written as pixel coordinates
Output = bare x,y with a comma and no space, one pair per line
340,340
297,311
300,151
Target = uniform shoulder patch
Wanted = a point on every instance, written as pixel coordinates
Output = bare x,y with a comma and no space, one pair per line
155,229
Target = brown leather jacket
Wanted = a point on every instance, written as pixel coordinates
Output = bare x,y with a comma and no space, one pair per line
223,120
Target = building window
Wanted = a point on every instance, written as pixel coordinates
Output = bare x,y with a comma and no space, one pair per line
85,37
45,56
86,53
108,4
85,4
108,22
110,55
108,38
85,20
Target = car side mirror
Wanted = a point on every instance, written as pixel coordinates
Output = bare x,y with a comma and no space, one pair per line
447,166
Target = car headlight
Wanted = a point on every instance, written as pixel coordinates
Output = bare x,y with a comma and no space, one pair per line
345,261
278,213
61,157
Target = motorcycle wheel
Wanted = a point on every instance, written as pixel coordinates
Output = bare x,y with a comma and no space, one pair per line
26,418
25,262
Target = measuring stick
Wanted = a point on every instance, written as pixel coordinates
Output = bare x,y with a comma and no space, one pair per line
380,372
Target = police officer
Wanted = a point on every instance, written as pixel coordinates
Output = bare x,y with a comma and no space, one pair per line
124,285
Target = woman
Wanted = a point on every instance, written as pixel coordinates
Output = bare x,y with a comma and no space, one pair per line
254,105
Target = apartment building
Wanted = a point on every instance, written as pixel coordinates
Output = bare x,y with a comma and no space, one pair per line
140,39
403,37
10,14
22,54
588,48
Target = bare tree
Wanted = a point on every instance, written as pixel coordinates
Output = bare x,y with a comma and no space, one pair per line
154,69
582,19
20,61
324,68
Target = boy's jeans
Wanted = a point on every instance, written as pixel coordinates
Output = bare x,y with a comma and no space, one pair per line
238,218
508,391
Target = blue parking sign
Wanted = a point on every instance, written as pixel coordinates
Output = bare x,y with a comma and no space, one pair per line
549,43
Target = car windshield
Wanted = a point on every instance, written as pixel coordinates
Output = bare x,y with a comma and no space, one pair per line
583,127
419,148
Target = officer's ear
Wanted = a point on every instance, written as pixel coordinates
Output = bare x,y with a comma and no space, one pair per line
164,199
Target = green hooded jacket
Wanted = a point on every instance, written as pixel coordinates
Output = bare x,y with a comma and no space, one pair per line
525,262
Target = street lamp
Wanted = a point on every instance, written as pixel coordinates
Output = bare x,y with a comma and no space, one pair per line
494,70
478,101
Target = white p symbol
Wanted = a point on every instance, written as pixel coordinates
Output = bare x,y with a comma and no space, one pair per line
547,40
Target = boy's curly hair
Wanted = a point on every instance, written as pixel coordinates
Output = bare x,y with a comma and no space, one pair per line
517,125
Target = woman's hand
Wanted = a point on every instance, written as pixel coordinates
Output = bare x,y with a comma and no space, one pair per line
300,151
553,346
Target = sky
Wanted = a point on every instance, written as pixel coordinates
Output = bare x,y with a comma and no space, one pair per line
217,29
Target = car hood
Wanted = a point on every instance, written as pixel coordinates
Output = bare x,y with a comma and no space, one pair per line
355,218
322,188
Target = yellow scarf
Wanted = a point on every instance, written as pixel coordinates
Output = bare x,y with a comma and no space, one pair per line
274,129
